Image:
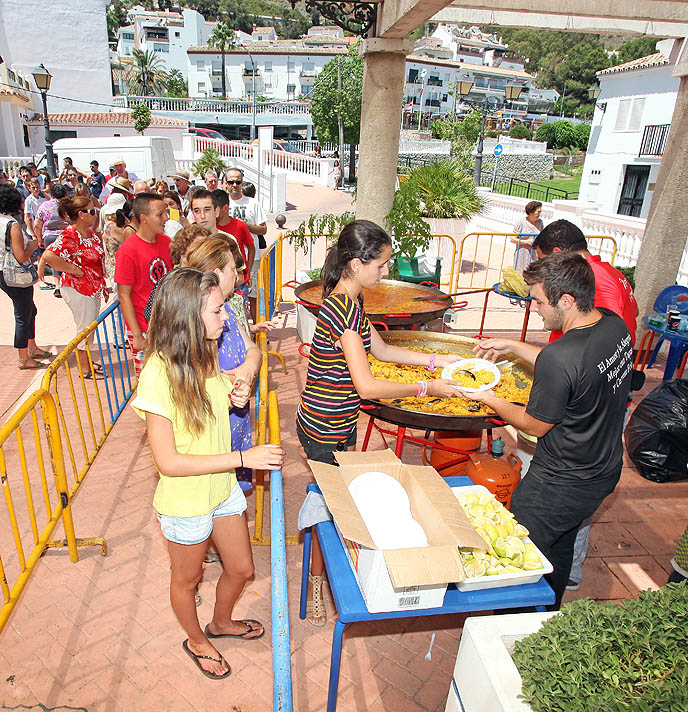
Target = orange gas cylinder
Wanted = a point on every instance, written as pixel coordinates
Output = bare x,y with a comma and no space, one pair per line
499,473
466,440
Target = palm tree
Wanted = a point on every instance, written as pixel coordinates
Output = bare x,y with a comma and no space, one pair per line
223,39
148,75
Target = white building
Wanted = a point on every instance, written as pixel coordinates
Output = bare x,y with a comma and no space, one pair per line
17,106
168,34
283,70
629,132
435,80
69,38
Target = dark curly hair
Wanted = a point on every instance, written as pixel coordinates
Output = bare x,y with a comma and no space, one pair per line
10,200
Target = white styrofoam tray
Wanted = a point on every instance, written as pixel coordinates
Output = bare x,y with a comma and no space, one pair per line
512,579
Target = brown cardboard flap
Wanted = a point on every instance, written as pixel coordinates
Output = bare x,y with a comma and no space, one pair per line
424,566
352,464
340,502
425,483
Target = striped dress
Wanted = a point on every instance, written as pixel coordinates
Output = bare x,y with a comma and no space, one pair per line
329,405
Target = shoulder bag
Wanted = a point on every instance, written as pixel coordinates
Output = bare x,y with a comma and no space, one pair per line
15,273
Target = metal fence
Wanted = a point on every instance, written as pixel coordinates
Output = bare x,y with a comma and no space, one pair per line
524,188
35,445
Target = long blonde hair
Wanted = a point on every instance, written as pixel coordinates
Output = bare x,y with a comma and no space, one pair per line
176,333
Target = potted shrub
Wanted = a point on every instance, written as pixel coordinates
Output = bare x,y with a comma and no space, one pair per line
589,656
436,198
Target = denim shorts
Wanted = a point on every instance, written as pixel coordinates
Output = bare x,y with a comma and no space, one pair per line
194,530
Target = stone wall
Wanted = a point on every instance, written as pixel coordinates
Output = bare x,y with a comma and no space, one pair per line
524,166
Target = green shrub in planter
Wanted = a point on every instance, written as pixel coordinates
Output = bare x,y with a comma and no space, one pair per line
520,131
605,657
629,274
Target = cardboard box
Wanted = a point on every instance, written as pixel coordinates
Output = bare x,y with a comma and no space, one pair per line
399,579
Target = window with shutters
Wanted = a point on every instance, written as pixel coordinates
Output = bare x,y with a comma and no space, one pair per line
630,114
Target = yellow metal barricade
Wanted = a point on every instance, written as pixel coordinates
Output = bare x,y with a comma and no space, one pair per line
482,257
602,245
36,494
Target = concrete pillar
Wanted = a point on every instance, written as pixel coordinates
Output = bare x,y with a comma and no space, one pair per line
383,93
667,230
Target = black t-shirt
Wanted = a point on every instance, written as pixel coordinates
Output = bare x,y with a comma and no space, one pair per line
581,385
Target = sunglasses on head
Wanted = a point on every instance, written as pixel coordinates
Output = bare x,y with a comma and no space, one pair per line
234,182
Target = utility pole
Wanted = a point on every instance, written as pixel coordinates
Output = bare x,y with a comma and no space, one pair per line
340,120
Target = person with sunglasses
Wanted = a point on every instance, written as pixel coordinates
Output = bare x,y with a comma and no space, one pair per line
78,253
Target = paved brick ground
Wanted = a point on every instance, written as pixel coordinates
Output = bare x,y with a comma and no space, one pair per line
100,635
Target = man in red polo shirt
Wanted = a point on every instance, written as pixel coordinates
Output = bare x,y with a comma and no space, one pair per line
613,292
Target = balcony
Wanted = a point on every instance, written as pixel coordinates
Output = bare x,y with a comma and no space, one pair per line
434,82
217,72
654,140
251,72
414,80
309,73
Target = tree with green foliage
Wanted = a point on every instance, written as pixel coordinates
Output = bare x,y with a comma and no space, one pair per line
210,160
564,134
176,85
328,102
545,133
636,48
147,76
222,38
582,133
142,117
116,16
520,131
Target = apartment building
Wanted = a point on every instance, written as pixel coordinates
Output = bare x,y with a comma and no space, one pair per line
168,34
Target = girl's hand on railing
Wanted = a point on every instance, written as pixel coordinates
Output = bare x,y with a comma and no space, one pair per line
240,393
263,457
263,326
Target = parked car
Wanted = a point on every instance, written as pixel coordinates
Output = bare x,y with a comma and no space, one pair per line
281,145
206,133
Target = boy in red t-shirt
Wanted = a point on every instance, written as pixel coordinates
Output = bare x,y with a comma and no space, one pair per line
238,230
140,262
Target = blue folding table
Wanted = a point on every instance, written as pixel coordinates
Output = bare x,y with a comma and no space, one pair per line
351,607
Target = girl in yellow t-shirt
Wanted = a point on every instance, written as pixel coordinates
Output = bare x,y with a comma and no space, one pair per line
185,398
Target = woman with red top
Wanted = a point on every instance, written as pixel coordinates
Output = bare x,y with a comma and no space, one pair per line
79,254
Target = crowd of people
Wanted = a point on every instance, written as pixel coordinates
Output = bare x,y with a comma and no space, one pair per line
183,263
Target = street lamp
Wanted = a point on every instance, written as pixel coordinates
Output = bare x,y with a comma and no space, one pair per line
42,78
594,92
464,88
253,91
423,74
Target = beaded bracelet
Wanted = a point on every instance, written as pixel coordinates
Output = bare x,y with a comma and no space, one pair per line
431,364
422,389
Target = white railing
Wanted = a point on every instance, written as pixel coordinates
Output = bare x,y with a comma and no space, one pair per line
227,149
10,164
627,232
304,166
514,145
217,106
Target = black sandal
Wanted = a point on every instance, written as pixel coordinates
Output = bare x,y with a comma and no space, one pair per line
197,659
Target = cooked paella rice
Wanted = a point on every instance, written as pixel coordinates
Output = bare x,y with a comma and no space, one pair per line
400,373
482,377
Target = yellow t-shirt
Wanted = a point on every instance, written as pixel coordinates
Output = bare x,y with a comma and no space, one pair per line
198,494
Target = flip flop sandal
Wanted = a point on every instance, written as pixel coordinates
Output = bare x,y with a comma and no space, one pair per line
250,630
197,659
42,354
38,365
315,609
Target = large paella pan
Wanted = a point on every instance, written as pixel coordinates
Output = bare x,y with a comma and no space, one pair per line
392,302
419,413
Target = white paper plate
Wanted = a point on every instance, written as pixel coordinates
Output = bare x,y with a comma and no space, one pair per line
498,580
473,364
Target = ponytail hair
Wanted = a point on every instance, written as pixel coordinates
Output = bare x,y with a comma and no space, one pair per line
360,239
124,213
69,208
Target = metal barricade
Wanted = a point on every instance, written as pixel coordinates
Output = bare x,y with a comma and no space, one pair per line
482,257
82,395
31,460
281,644
600,245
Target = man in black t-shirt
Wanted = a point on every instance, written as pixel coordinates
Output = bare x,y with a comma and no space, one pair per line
576,408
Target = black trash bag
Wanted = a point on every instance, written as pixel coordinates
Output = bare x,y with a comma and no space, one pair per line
657,433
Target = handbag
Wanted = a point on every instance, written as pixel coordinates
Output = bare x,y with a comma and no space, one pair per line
15,273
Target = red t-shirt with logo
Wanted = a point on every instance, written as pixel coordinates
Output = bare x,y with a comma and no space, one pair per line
88,254
613,292
238,230
141,265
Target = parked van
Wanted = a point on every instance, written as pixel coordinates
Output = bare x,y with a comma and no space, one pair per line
146,156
